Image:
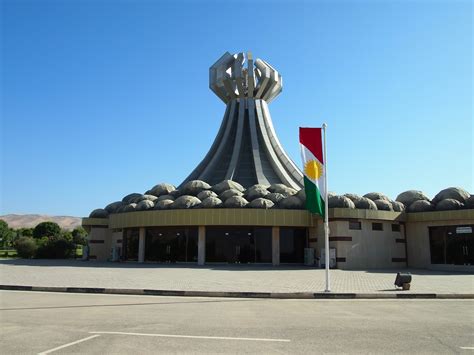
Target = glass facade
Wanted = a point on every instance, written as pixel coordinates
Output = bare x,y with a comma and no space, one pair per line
170,244
292,244
130,244
452,245
235,245
240,245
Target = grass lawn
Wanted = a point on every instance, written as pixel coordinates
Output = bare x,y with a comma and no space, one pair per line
11,253
8,253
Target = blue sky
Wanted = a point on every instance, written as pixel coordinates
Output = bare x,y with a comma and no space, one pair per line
103,98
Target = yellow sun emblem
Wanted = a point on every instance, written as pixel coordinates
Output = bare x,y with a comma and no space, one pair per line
313,169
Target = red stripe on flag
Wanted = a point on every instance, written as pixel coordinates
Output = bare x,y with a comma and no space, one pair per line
311,139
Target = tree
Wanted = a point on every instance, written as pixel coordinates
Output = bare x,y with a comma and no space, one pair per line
6,234
79,236
46,229
26,247
25,232
66,235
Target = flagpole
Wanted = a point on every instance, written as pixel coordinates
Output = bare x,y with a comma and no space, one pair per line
326,211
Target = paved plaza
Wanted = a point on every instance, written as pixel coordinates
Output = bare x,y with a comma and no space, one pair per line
222,278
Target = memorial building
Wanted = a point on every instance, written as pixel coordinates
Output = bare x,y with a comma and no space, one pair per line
245,203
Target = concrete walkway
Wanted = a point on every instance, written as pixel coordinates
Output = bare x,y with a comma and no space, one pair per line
223,278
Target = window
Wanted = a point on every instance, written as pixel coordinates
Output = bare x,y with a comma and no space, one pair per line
377,226
355,225
395,228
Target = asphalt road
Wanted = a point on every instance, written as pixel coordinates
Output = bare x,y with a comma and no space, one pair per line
34,322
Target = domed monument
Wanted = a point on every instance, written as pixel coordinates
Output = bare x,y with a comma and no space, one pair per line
244,202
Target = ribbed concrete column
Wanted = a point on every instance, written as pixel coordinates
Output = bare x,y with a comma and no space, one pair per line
201,245
141,245
276,246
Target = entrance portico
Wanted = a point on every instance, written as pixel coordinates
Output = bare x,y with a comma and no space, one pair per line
230,236
215,244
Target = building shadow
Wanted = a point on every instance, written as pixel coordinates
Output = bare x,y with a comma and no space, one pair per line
149,265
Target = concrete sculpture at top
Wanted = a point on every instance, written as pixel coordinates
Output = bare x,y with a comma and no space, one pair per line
229,79
246,148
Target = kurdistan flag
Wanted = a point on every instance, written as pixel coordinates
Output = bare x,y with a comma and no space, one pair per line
313,169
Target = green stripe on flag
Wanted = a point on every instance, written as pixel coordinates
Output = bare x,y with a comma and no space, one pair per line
314,200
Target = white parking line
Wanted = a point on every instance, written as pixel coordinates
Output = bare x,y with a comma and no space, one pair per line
467,347
193,336
69,344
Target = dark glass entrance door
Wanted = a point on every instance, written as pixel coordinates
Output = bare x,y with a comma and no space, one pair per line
244,248
292,244
454,248
452,245
469,249
238,245
169,245
230,245
159,247
130,245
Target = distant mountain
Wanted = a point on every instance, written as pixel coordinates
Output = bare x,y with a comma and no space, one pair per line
32,220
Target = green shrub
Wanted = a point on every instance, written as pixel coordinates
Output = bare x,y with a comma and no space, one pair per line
41,242
67,236
55,248
26,247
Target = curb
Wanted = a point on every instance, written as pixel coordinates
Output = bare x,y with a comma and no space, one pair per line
275,295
